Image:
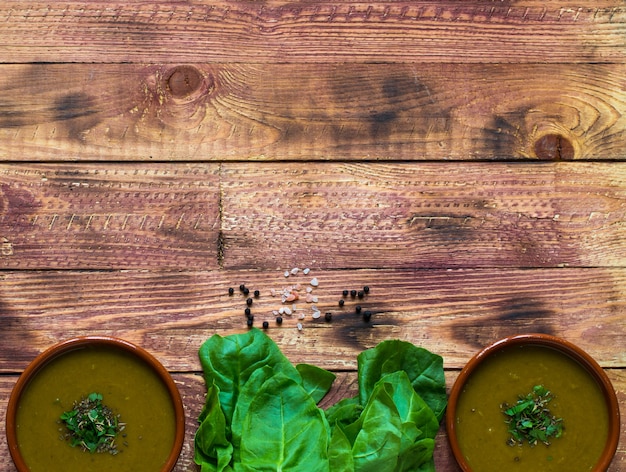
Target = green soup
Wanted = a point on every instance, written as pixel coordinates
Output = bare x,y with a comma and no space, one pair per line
503,377
130,387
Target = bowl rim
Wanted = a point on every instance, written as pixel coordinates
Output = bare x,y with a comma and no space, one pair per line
566,347
63,347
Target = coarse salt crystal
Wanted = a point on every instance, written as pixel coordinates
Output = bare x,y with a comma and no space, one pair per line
309,289
301,316
306,271
299,325
294,271
286,311
286,273
281,310
314,282
316,314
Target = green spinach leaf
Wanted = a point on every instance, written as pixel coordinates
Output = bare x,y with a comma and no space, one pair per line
284,430
405,439
212,449
411,407
247,394
418,458
425,371
340,452
261,412
230,361
345,411
316,381
377,433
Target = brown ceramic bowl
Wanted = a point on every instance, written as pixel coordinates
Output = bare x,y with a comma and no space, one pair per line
138,356
540,340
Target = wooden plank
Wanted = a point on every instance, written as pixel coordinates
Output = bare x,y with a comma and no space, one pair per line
135,215
424,215
264,112
452,312
237,31
333,215
192,390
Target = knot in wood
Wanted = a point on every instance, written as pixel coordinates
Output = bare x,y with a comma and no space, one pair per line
184,81
554,147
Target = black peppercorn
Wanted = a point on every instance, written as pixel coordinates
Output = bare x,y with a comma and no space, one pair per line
249,301
279,319
266,325
353,293
248,312
257,294
328,316
250,321
246,290
231,291
341,302
366,289
358,309
367,315
242,287
345,293
361,294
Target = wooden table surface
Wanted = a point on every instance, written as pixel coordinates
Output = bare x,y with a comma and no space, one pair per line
465,159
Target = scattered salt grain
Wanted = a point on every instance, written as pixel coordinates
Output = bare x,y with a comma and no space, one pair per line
316,314
286,273
286,311
299,325
314,282
309,289
306,271
301,316
281,311
294,271
309,298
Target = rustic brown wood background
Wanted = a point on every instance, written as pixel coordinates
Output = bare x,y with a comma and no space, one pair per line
465,159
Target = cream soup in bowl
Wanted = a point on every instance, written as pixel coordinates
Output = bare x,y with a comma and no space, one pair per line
115,383
533,403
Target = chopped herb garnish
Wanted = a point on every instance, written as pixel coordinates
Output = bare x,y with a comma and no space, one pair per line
530,418
92,425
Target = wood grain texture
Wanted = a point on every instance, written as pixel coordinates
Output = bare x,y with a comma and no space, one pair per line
192,389
267,112
333,215
423,215
237,31
132,215
464,159
452,312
